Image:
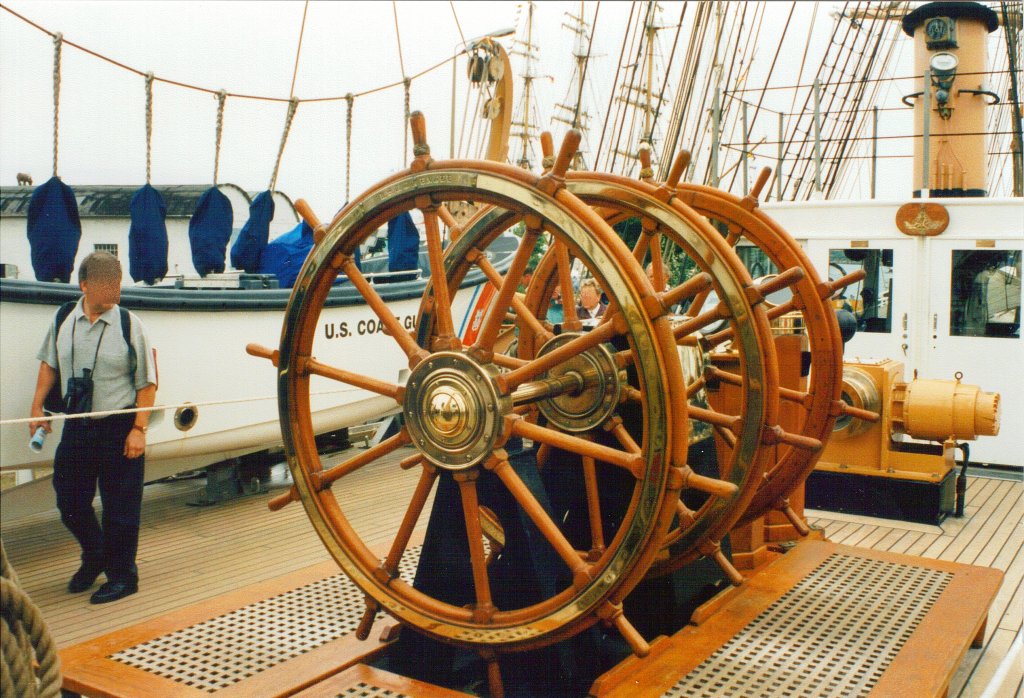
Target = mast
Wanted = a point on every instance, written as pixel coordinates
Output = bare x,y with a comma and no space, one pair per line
526,129
573,114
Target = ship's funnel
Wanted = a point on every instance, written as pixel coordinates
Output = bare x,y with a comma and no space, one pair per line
949,42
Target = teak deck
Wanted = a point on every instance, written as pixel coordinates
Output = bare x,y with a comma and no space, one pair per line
190,555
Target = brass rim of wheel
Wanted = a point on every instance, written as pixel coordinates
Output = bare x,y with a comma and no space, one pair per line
597,585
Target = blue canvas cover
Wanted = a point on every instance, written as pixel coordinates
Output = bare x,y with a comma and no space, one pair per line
54,230
147,236
209,230
285,254
403,243
245,253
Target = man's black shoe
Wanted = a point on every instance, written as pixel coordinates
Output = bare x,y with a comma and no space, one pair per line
112,591
84,578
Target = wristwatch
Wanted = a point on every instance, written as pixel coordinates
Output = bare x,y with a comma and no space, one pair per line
139,427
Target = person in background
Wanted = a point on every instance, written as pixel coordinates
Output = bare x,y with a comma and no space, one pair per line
664,275
590,306
556,313
108,451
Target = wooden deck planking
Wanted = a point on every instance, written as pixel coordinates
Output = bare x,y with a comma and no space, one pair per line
189,554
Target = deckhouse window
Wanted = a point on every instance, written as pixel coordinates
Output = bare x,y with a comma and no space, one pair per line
985,293
106,247
870,300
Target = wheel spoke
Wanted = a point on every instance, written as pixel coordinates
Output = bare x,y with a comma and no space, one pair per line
540,519
368,456
409,520
625,439
509,362
691,287
374,385
633,462
401,335
474,535
496,313
570,319
687,327
708,485
579,345
439,282
593,508
522,311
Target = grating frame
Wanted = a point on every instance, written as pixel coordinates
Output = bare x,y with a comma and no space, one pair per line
833,634
216,653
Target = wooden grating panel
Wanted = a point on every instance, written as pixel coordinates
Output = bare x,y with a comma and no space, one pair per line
216,653
833,634
366,690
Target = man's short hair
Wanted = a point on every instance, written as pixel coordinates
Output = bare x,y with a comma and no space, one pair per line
591,283
99,266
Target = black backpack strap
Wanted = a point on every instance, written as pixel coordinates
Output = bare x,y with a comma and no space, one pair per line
53,402
126,331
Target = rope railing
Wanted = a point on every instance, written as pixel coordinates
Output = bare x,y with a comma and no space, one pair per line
162,408
222,96
211,91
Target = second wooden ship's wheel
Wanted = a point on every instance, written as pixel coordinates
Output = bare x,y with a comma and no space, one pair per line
819,407
462,406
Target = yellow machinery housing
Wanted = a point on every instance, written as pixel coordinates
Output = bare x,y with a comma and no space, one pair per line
891,460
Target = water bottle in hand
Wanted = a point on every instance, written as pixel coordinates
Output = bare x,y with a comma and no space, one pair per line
36,444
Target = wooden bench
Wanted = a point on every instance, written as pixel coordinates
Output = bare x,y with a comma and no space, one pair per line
824,619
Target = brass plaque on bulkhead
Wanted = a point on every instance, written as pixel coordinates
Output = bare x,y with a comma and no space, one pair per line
921,219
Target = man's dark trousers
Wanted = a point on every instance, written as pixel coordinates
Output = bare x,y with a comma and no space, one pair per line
90,453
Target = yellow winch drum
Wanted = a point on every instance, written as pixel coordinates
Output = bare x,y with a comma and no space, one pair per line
859,390
941,409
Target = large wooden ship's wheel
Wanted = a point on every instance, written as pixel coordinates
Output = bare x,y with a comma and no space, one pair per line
462,404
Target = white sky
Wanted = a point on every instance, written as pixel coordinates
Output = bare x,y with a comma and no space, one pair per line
249,47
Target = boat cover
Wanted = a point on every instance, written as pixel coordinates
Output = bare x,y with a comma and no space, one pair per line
285,254
53,230
403,243
147,236
209,230
245,253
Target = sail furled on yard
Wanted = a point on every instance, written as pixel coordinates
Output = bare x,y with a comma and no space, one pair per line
245,253
147,236
209,231
285,254
54,230
403,243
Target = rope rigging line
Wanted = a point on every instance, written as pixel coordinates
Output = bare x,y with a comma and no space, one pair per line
298,50
221,99
58,41
349,101
586,62
405,85
293,104
211,91
149,127
405,124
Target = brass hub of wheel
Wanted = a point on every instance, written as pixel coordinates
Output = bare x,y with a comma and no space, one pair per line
600,387
453,410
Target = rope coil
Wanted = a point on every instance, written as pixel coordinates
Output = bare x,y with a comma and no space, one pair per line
222,96
293,104
58,42
25,641
149,126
